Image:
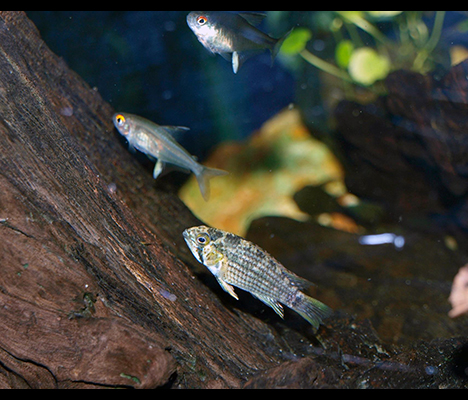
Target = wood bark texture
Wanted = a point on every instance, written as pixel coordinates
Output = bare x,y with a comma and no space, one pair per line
93,289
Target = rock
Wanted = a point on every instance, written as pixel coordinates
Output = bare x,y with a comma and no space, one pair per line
302,374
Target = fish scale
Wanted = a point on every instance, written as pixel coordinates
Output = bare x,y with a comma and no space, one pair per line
238,263
250,277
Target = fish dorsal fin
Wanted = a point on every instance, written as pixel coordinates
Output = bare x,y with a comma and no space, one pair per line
174,130
297,281
252,18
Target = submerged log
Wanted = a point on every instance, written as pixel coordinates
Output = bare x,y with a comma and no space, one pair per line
408,151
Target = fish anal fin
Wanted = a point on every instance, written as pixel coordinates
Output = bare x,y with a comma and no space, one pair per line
277,307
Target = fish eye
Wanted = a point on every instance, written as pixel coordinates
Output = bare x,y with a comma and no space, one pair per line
202,20
203,239
120,119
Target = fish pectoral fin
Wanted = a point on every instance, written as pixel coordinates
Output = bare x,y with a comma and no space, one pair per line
234,58
228,288
175,129
158,169
214,259
175,132
236,62
277,307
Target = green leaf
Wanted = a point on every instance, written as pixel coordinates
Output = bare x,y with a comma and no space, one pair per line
344,52
384,14
352,16
366,66
296,42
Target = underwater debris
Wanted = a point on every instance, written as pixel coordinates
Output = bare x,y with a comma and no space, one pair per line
387,238
168,296
459,296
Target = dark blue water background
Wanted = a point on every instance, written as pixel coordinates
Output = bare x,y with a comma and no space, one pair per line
150,63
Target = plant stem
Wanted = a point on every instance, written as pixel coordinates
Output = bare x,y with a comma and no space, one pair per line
325,66
365,25
432,43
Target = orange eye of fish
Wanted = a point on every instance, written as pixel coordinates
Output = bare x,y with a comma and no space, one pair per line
120,120
202,20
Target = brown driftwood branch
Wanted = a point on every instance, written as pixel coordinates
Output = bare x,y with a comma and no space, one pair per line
92,286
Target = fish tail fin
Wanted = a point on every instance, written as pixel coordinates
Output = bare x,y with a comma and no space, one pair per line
277,47
204,178
312,310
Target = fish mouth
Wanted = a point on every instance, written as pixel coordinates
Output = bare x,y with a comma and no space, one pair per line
188,237
191,19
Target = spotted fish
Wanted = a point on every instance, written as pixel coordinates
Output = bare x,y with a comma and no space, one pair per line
238,263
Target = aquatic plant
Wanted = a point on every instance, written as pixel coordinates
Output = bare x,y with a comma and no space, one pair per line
369,45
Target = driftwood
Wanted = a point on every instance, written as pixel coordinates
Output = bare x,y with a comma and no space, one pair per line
98,289
409,150
92,287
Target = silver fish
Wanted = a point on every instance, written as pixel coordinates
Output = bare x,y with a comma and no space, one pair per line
236,262
157,142
233,36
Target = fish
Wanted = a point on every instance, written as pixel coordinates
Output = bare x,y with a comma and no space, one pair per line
158,142
238,263
234,36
